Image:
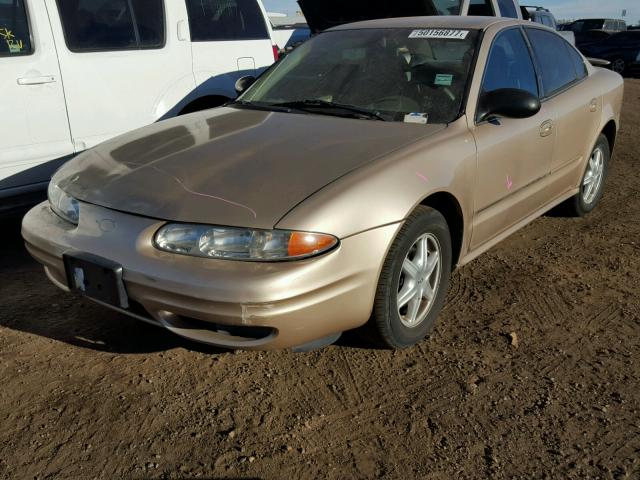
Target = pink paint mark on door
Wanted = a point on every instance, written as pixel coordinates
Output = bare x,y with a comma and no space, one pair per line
509,182
422,177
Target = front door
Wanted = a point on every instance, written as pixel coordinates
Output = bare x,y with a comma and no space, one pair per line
33,118
514,155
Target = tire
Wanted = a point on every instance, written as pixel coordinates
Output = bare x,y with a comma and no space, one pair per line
392,326
618,65
584,201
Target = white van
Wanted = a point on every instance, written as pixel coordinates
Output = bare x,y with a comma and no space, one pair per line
74,73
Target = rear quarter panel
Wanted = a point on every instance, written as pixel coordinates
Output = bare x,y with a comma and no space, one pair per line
612,87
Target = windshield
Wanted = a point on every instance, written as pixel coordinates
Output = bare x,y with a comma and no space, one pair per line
417,76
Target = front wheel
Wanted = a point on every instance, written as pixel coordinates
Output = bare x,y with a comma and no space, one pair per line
414,280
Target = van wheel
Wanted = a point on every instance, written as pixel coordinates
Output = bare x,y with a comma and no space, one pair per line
592,183
414,280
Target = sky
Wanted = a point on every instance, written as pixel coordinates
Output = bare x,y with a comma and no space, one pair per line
562,9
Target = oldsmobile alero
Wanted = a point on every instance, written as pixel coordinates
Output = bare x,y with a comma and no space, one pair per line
340,189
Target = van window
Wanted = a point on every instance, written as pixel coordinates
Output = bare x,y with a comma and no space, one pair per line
548,21
15,38
106,25
557,70
510,64
447,7
226,20
507,8
481,8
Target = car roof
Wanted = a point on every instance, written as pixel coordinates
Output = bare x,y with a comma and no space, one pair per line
436,21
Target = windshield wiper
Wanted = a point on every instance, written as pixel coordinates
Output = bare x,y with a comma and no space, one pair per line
268,107
316,104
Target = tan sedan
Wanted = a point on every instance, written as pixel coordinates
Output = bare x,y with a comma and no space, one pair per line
341,188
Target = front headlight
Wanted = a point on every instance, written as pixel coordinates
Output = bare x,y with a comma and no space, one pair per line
241,243
62,204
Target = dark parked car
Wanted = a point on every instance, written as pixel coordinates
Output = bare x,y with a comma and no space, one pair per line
621,49
584,29
591,37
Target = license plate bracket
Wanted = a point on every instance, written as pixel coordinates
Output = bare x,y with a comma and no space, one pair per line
96,277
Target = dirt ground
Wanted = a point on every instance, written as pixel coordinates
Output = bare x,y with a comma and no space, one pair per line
87,393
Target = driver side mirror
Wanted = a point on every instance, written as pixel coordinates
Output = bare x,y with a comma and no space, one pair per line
508,102
243,83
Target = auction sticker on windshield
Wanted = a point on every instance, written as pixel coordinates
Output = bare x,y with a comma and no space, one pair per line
440,33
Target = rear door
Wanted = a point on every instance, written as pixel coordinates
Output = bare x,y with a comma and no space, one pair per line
575,106
230,39
514,155
33,125
122,63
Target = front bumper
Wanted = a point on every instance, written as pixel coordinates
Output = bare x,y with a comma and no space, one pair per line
219,302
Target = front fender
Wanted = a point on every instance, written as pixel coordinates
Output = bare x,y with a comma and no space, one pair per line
388,189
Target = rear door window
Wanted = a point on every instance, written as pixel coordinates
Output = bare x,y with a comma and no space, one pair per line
510,64
508,8
107,25
211,20
557,70
15,38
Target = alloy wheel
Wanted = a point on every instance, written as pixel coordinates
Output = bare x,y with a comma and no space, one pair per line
419,280
593,177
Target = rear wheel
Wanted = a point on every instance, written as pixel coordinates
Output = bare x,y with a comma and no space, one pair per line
414,280
619,66
592,184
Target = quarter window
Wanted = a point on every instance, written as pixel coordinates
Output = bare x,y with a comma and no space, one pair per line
106,25
15,38
508,9
211,20
510,64
578,62
557,70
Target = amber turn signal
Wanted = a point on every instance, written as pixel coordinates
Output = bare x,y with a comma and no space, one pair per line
303,244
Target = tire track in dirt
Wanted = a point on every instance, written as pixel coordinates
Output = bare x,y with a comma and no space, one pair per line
467,404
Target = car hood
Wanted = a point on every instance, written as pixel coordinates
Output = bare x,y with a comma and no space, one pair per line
229,166
324,14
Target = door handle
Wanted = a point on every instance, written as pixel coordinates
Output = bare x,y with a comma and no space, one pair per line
36,80
182,31
546,128
593,106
